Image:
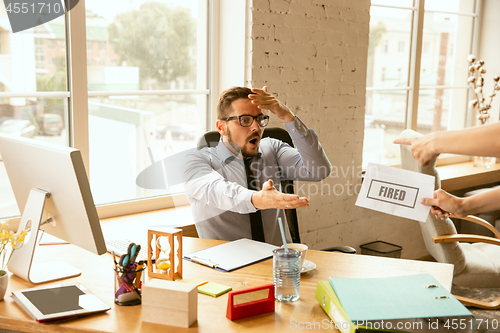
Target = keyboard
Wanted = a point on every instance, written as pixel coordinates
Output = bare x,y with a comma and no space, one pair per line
120,247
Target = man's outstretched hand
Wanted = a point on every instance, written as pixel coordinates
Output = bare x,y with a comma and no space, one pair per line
270,197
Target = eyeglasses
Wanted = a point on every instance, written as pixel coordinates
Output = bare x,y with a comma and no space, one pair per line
247,120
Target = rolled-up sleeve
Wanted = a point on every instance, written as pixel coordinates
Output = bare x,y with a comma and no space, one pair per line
307,161
207,185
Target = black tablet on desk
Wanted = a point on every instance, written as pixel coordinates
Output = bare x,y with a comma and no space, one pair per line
57,302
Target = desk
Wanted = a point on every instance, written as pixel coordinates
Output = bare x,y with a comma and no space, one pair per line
98,278
464,175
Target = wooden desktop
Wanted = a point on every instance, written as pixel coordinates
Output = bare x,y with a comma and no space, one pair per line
98,278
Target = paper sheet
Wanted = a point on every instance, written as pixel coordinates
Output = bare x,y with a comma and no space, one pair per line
396,191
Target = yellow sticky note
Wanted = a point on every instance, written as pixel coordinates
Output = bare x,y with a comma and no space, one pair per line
214,289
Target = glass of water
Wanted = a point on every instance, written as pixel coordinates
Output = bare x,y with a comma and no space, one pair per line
286,275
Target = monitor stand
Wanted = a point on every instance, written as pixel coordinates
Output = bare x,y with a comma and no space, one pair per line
22,258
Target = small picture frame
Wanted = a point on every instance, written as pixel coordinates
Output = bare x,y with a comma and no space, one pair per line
250,302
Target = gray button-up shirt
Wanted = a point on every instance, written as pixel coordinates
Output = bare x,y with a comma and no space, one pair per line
216,183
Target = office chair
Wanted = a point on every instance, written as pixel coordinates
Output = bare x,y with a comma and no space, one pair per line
211,139
476,258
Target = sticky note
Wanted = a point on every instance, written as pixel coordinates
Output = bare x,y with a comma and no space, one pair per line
214,289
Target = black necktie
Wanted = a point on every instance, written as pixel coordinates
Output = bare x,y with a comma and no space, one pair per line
255,218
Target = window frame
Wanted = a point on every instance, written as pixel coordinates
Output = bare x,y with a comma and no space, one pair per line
416,51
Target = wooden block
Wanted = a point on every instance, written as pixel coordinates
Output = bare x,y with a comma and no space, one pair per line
169,303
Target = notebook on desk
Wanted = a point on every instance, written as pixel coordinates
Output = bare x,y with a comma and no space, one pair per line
233,255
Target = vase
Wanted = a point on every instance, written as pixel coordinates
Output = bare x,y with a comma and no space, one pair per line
4,281
484,162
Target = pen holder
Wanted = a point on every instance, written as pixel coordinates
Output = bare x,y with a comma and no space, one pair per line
128,285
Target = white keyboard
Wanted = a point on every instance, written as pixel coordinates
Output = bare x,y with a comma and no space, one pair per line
120,247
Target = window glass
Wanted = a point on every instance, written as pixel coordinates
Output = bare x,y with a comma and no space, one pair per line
30,63
130,134
447,39
388,67
154,40
462,6
441,102
384,121
389,47
399,3
39,118
441,109
147,89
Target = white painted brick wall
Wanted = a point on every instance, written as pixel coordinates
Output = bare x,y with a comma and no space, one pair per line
312,55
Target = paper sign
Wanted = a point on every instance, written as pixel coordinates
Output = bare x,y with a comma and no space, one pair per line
396,191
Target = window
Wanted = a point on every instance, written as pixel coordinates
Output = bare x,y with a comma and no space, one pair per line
145,102
432,99
426,48
401,46
31,89
385,45
153,106
40,53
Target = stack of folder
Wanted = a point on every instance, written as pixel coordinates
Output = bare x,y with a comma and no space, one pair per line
414,303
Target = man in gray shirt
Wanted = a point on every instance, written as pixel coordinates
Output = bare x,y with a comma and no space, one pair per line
217,179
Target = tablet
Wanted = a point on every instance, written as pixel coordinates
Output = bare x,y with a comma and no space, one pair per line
58,302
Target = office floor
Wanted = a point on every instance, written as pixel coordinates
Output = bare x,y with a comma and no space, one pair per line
487,321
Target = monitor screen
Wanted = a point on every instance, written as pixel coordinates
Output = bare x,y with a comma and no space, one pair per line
50,180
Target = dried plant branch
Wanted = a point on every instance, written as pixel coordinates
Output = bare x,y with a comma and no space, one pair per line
476,71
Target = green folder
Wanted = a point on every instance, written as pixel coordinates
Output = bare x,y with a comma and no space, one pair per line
214,289
413,303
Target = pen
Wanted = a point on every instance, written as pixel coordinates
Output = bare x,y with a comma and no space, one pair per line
114,258
138,275
205,262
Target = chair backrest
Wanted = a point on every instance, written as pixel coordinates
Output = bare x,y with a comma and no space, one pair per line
211,139
450,253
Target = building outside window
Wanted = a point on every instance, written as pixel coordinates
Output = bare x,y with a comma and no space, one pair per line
40,53
428,100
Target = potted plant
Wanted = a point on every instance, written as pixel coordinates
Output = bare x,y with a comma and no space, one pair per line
9,242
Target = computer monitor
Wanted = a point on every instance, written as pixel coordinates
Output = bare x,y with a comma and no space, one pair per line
53,194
